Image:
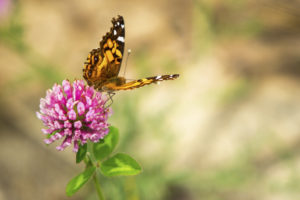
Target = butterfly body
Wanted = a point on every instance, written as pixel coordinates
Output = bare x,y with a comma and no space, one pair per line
103,64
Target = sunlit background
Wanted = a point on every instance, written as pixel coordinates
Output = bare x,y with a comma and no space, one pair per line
227,129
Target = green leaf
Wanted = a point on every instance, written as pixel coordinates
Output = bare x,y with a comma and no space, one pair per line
120,165
77,182
103,148
81,153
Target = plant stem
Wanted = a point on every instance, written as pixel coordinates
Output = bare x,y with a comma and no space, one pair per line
98,187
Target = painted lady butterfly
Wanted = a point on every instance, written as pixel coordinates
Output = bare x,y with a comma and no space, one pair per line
103,64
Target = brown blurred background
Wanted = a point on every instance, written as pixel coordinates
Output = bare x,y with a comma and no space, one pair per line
227,129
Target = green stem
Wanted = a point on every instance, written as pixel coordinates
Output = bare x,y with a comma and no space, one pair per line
98,187
88,160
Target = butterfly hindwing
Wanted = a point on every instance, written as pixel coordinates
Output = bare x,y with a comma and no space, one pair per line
139,83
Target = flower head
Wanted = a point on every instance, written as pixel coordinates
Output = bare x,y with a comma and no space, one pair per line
74,112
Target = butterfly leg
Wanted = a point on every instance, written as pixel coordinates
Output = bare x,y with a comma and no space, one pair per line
110,95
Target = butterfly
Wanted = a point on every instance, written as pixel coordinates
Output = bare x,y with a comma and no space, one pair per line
103,64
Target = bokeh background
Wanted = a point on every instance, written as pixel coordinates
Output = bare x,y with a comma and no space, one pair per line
227,129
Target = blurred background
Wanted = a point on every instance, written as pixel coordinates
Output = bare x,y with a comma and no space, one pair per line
227,129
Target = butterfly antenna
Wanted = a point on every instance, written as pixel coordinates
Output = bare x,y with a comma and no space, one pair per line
128,54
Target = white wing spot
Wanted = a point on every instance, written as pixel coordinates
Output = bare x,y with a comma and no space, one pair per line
158,77
122,26
120,38
115,32
118,23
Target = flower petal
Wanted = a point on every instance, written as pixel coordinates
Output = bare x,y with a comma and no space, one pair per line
72,115
80,108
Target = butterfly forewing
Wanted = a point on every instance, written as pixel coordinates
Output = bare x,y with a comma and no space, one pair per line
104,63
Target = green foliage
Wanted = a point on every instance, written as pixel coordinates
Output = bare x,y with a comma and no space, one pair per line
77,182
104,148
120,165
81,153
12,32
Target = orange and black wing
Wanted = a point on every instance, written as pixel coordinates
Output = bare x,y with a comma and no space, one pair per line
139,83
104,63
